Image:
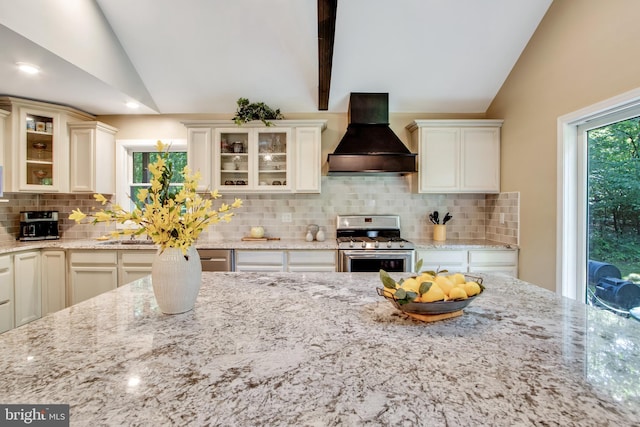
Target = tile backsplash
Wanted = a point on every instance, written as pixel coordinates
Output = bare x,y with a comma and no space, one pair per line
475,216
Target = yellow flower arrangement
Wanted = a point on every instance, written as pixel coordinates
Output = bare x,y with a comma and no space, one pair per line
170,219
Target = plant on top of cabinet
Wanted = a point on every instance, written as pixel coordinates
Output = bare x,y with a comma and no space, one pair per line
255,111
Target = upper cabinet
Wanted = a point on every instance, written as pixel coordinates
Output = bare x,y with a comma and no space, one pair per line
457,156
36,145
92,157
254,158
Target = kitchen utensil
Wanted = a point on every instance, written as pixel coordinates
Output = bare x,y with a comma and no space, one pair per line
436,217
433,221
446,218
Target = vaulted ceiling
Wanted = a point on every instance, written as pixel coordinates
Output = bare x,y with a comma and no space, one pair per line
200,56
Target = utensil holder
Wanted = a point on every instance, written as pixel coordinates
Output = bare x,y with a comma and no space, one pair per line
439,232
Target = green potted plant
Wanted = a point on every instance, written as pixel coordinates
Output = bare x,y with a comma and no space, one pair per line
247,112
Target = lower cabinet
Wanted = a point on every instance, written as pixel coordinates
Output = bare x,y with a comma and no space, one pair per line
436,260
134,264
494,261
292,260
27,287
498,261
6,293
91,273
54,280
312,260
259,260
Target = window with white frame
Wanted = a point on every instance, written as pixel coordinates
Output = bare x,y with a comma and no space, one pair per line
132,172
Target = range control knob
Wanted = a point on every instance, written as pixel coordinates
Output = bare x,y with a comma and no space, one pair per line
351,243
402,244
364,245
376,244
389,244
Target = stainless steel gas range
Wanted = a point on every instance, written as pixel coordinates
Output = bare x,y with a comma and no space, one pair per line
368,243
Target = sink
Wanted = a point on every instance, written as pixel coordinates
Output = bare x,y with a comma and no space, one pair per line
128,242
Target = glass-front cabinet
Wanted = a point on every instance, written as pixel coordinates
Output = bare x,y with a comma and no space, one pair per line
252,159
37,149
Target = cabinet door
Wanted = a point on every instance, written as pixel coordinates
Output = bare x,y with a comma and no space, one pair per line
314,260
259,260
232,161
28,292
199,157
39,150
272,159
92,157
53,277
134,265
308,161
454,261
91,273
6,293
439,160
480,160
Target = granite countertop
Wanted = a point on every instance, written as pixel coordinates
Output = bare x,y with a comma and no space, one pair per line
320,349
283,244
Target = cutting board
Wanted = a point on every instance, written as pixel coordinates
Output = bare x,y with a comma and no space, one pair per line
259,239
434,317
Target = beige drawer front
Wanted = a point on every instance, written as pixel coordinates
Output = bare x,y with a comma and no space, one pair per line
137,257
312,257
444,257
5,262
94,257
493,257
260,257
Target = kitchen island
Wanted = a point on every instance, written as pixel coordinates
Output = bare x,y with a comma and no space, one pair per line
321,349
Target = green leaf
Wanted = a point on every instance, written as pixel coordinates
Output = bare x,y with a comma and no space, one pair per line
419,265
387,280
431,272
400,294
424,287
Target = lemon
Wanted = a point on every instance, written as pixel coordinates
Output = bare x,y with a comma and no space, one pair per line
472,288
435,293
457,293
411,285
457,278
425,277
444,283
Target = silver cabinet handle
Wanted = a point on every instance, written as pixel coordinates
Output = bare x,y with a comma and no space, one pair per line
6,301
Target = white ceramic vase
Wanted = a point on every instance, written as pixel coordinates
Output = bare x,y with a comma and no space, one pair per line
176,281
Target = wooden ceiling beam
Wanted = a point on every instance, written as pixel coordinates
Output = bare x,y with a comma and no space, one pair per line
326,36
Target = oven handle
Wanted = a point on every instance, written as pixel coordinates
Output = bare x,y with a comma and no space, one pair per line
376,253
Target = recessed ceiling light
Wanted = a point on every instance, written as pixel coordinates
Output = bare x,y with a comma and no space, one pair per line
28,68
132,105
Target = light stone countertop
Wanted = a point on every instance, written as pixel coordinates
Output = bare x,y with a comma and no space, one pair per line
284,244
321,349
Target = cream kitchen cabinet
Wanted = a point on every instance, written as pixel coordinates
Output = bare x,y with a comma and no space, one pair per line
27,287
299,261
259,260
6,293
134,264
36,145
457,156
435,260
253,158
91,273
92,157
489,260
498,261
54,280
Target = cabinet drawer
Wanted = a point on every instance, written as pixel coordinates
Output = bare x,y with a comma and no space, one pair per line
493,257
6,315
137,257
443,257
260,258
312,257
94,257
5,263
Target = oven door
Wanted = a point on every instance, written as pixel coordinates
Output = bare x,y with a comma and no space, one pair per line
375,260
